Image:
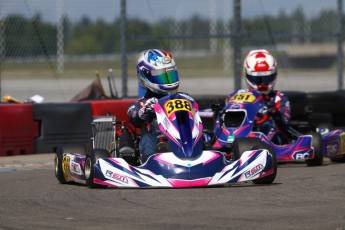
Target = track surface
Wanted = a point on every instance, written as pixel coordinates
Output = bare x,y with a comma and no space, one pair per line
301,198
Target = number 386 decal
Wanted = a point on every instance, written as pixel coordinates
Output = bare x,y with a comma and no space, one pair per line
177,104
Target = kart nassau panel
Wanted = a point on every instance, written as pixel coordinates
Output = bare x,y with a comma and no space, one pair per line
179,120
166,170
333,144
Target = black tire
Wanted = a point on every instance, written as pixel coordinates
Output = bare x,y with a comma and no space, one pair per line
58,166
270,178
90,160
338,159
318,154
243,144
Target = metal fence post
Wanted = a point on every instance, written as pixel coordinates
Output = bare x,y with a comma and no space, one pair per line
124,48
340,45
60,37
237,44
2,47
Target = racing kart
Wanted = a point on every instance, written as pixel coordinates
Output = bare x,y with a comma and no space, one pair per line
237,120
183,163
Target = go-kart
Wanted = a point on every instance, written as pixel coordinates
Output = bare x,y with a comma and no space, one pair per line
237,120
183,163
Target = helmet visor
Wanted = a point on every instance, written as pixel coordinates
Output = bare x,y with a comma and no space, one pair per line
164,76
261,80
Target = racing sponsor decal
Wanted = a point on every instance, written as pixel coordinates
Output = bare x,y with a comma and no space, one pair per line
66,167
166,123
116,176
75,168
332,149
176,105
301,156
253,171
166,60
243,97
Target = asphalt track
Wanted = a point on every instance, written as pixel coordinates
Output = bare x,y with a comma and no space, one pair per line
301,198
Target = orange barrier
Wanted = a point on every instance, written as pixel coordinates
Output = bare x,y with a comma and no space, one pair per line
114,107
17,129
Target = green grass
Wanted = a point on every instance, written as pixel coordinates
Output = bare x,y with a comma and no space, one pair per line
189,67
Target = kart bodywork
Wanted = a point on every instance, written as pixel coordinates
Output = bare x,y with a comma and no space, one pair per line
186,164
237,120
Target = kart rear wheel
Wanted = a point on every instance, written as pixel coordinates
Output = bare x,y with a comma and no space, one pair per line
89,170
270,178
58,166
243,144
338,159
318,155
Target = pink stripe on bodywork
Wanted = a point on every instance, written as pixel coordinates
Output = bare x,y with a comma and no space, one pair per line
160,159
213,157
176,183
127,166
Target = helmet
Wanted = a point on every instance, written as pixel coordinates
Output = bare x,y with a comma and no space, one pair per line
260,68
157,71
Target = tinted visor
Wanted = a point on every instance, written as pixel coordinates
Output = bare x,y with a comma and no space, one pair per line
261,80
164,76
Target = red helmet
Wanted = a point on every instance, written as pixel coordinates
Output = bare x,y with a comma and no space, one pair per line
260,68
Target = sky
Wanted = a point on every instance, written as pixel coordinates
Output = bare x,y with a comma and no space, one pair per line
153,10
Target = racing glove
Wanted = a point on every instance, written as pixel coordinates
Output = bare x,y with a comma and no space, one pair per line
147,108
262,115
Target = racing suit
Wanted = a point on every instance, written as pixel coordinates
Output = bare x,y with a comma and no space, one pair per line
274,119
142,115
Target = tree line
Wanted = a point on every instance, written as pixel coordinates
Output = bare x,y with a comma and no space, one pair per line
35,37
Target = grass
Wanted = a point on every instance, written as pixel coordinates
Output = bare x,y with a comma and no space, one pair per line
189,67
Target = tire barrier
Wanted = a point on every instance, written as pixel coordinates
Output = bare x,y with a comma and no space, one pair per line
205,101
118,108
62,124
17,129
328,107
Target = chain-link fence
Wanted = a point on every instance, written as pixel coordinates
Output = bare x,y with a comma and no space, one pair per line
53,47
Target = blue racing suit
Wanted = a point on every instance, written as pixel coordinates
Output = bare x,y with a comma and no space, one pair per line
144,119
277,117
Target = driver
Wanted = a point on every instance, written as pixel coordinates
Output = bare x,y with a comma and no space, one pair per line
157,73
260,69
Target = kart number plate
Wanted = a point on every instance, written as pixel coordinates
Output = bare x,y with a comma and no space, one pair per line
243,97
176,105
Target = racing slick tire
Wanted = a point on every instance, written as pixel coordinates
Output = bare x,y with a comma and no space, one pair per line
58,166
270,178
318,155
243,144
338,159
90,160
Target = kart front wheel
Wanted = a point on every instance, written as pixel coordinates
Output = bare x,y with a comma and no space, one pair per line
58,166
243,144
318,155
89,170
270,178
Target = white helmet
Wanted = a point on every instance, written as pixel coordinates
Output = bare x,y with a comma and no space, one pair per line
157,71
260,68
